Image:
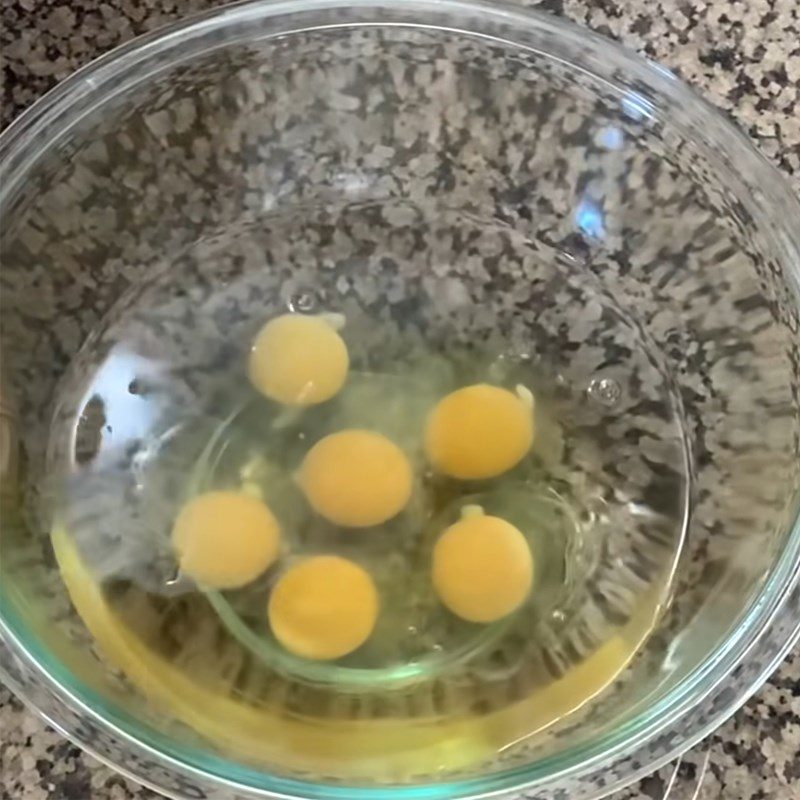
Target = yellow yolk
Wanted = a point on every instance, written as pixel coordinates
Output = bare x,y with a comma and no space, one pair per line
323,608
298,360
478,432
225,539
356,478
482,568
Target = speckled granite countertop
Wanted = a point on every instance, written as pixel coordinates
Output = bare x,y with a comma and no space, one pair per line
744,56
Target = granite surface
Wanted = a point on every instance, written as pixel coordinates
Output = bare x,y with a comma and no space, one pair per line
744,58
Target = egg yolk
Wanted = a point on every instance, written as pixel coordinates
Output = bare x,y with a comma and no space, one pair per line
356,478
482,568
323,608
298,360
478,432
224,539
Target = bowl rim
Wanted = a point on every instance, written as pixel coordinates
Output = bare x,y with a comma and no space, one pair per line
24,141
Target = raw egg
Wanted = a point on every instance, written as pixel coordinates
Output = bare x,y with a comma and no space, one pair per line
479,432
298,360
225,539
323,608
482,567
356,478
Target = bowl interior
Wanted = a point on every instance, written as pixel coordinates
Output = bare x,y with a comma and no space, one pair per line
477,186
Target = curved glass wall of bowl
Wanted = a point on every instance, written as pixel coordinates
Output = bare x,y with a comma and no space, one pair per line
459,174
681,779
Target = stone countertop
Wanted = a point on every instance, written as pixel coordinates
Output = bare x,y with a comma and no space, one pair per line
743,56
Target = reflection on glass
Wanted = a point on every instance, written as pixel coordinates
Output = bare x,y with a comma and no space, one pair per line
636,107
610,137
589,218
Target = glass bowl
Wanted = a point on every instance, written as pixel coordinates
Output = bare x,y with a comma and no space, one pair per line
471,172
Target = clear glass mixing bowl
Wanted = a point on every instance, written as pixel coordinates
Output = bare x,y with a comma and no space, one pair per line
464,164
